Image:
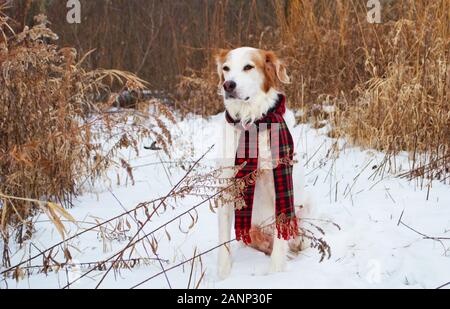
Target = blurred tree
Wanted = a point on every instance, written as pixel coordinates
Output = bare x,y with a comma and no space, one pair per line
23,11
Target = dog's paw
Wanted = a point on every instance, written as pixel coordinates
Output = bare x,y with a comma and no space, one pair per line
224,263
277,266
224,269
260,270
298,244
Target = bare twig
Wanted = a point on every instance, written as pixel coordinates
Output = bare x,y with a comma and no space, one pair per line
158,229
192,270
426,237
154,211
422,234
100,266
183,263
138,223
77,235
443,286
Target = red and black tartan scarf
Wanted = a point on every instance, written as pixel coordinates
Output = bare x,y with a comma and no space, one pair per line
282,148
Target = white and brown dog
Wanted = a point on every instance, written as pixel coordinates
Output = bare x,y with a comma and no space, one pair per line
249,84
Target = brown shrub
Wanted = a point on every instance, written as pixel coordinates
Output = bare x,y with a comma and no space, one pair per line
404,103
53,138
389,81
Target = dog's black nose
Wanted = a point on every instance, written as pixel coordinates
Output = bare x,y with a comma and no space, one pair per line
229,86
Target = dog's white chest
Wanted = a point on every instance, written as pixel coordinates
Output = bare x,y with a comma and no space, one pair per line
264,198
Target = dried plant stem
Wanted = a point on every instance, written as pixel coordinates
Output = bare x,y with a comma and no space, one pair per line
183,263
440,240
443,286
151,215
424,235
49,249
137,222
192,269
158,229
96,265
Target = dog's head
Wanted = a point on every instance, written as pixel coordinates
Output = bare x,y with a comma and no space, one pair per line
249,80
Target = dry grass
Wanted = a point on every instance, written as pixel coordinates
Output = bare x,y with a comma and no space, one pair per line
405,104
53,138
196,93
389,82
161,41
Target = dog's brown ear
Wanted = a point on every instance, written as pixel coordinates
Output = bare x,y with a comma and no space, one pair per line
275,64
220,55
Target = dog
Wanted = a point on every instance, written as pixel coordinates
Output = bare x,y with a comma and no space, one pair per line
250,81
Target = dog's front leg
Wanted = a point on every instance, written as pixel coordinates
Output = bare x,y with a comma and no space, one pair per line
279,254
225,221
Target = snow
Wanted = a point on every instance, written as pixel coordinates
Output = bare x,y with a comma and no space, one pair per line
373,249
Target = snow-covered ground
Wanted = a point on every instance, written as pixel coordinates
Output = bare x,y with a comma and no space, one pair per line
373,249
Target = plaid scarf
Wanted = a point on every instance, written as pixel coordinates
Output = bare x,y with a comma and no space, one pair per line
282,150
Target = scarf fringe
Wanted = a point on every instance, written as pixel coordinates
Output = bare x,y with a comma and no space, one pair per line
287,228
244,236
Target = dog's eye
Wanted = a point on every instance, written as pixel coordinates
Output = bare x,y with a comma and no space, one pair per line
226,69
248,67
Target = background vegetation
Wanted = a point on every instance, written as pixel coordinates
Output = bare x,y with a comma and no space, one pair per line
384,86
